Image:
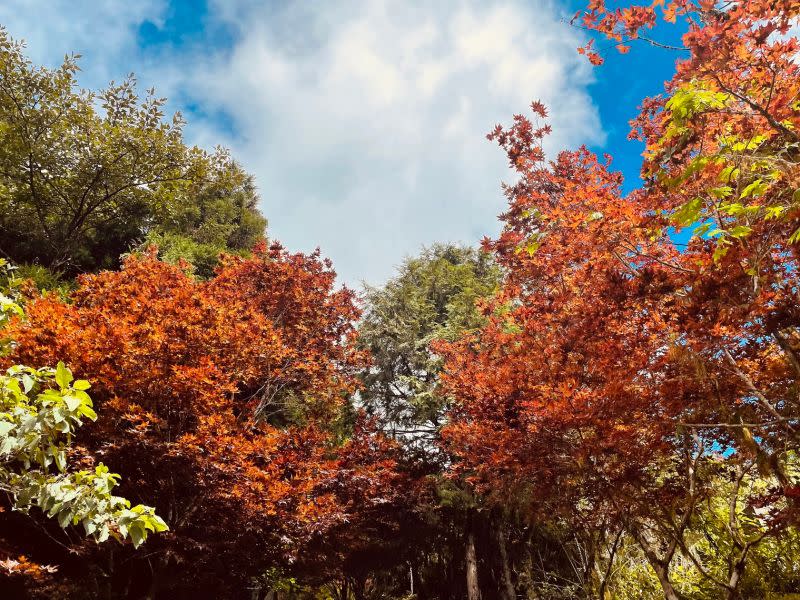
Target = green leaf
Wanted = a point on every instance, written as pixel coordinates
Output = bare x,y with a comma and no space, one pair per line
72,403
721,192
64,518
755,189
89,526
81,384
702,229
532,247
158,523
733,209
740,231
688,213
88,412
729,174
721,250
137,534
7,445
61,461
773,212
103,534
63,375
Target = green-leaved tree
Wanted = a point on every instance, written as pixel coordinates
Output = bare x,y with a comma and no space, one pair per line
433,297
87,176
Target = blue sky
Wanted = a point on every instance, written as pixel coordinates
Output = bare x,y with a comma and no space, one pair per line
363,122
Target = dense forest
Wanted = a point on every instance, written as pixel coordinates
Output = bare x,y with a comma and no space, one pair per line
583,407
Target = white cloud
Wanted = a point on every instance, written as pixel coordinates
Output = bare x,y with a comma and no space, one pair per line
365,125
103,31
366,128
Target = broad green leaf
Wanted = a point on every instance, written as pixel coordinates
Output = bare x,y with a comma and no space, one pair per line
754,189
773,212
729,174
723,246
63,375
688,213
72,403
702,229
721,192
740,231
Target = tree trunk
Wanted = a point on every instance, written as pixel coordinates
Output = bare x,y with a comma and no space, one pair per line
257,592
152,591
507,591
660,565
611,556
471,560
359,588
736,576
666,584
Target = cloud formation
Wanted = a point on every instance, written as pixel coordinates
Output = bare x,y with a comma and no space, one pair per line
364,125
102,31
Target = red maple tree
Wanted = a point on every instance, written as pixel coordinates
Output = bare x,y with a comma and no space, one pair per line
617,363
217,401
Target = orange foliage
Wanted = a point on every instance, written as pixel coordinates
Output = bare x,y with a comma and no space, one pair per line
555,393
215,401
610,339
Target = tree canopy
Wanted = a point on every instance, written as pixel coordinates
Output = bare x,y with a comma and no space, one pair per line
433,297
87,176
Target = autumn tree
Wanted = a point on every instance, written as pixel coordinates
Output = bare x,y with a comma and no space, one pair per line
556,380
585,408
215,400
720,159
40,411
620,365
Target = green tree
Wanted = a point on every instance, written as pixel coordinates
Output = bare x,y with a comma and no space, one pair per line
86,176
434,296
222,217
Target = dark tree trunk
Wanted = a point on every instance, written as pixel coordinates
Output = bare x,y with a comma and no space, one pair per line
507,590
152,591
471,560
